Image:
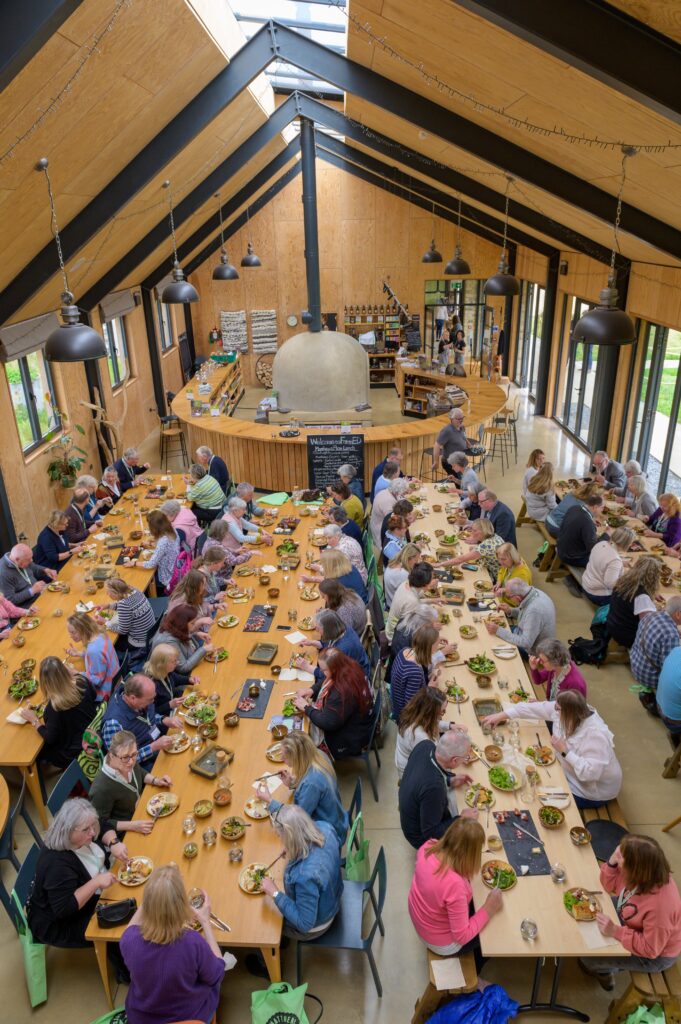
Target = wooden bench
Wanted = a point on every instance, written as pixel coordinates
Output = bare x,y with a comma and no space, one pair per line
551,563
523,517
428,1003
671,765
663,988
608,812
616,653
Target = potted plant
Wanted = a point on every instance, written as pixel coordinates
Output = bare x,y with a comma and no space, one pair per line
66,459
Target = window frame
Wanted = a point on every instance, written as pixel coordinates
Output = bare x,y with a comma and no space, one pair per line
167,336
39,438
115,378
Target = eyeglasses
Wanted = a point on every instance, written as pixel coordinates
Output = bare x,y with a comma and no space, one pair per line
87,828
127,757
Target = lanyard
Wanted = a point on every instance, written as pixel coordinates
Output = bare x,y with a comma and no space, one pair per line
23,573
624,897
129,470
78,513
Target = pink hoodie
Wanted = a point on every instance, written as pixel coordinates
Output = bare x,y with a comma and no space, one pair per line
438,903
652,920
9,611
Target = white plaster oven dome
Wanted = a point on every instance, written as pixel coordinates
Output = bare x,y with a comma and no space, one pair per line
321,372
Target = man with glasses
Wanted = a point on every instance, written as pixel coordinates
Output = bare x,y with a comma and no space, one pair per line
21,579
132,708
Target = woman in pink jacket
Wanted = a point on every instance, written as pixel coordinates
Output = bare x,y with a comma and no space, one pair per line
441,890
648,907
10,611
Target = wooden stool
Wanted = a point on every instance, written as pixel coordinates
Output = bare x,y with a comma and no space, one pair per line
672,824
172,443
663,988
432,996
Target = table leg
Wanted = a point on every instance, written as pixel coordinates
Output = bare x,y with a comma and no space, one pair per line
103,964
271,956
552,1006
30,773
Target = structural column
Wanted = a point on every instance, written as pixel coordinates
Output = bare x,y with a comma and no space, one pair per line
548,318
308,157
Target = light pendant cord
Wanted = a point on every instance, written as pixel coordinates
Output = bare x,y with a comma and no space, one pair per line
42,165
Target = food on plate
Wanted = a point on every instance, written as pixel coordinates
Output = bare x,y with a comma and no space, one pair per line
190,699
287,547
228,621
497,874
468,632
541,755
307,623
479,796
244,570
309,594
256,808
232,828
162,804
550,816
29,622
580,836
289,708
57,586
483,586
246,704
255,623
482,664
180,743
449,539
22,688
201,714
275,753
504,778
456,693
581,904
493,752
518,696
136,872
251,879
219,654
202,808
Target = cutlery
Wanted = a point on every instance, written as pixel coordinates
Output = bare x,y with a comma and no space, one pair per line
480,757
536,839
239,687
269,866
270,775
539,742
521,687
220,924
215,666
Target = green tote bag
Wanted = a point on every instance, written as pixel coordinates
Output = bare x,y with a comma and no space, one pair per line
357,860
281,1004
34,958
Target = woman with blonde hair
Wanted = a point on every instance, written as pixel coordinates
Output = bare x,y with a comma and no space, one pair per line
577,496
334,565
540,497
605,565
441,891
52,548
160,668
484,544
666,521
117,787
99,654
512,566
69,710
633,597
175,972
420,720
309,773
133,620
398,569
534,464
165,555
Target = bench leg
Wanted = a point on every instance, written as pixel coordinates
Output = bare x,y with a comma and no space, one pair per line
671,770
557,570
547,558
427,1005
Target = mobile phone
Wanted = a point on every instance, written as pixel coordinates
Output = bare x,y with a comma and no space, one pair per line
470,566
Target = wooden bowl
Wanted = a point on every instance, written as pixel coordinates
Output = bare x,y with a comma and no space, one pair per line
279,731
222,797
493,753
484,682
275,670
580,836
19,641
264,579
231,719
273,592
209,731
136,535
254,690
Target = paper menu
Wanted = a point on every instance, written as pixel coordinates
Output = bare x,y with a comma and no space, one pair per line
592,937
447,974
269,779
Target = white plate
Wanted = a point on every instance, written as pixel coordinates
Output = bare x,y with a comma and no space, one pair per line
504,655
547,799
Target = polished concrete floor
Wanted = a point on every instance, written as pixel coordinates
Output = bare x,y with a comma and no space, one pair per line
343,980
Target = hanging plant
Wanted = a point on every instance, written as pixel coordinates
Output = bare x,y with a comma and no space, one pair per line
67,458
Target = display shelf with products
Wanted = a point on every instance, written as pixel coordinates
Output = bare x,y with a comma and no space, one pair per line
226,394
414,386
381,369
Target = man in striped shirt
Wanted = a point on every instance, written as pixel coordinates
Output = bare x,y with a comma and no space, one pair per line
206,494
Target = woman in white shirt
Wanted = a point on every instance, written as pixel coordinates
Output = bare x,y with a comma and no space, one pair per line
582,739
534,463
540,497
398,569
420,720
605,565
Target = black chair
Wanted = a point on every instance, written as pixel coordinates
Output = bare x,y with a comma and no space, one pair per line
7,841
66,784
355,806
346,930
372,745
201,542
24,881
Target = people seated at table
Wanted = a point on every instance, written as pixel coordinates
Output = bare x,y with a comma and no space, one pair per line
384,503
462,475
133,619
608,473
348,474
69,709
643,503
391,471
499,514
426,799
554,519
218,538
184,522
211,564
578,531
128,468
339,516
166,551
665,522
69,877
540,496
331,631
345,603
207,497
22,579
132,708
420,719
334,565
483,544
109,486
174,970
181,628
395,538
9,611
606,565
404,508
633,597
99,656
451,438
621,494
52,547
246,492
471,502
192,589
639,879
657,634
340,710
414,667
78,529
409,594
310,776
397,570
534,614
337,540
241,531
96,507
394,455
668,694
512,566
441,893
117,787
214,466
581,739
161,667
552,667
534,464
342,495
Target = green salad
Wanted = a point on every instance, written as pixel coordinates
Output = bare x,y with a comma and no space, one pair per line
498,878
288,709
203,713
502,778
569,900
456,692
481,663
449,538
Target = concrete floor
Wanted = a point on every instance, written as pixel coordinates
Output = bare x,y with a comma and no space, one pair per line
647,800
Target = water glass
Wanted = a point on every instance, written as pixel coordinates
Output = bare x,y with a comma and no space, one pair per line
558,873
189,825
293,615
497,737
529,929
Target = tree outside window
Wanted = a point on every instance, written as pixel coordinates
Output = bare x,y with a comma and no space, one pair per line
116,351
33,399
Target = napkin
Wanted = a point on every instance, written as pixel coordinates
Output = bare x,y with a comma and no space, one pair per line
280,498
84,606
296,637
101,536
15,718
270,780
592,937
447,974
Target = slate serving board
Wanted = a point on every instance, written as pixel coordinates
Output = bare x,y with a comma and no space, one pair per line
518,847
259,609
261,701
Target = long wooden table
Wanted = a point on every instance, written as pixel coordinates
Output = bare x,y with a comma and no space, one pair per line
536,896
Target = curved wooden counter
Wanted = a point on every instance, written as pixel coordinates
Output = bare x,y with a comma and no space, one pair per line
255,452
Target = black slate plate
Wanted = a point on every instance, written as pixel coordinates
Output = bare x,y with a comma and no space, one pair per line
261,701
518,847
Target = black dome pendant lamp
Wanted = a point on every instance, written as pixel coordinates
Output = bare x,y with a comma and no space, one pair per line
178,291
458,266
224,270
607,324
432,255
250,259
72,341
503,283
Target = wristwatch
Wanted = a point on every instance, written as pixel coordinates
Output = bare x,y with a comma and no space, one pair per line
275,894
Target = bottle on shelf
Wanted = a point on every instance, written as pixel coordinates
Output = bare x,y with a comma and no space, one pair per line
364,309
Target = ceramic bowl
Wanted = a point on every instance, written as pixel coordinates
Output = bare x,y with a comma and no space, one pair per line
273,592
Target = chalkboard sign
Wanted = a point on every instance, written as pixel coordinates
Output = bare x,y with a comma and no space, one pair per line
327,452
412,336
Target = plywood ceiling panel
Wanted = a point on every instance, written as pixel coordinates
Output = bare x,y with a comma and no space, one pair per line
662,15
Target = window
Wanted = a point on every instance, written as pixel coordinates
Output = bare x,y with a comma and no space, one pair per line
530,323
165,325
33,399
116,351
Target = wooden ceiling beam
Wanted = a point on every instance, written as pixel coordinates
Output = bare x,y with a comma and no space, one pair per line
26,27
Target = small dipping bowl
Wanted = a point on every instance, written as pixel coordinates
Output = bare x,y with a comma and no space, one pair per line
494,843
279,731
136,535
231,719
19,641
203,808
484,681
493,752
580,836
275,670
273,592
214,699
254,690
57,613
209,731
437,508
91,588
264,579
236,854
190,850
222,797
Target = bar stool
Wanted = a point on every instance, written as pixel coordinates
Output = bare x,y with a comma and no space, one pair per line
499,434
172,441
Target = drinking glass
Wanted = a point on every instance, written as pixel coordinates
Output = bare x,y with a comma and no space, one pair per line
293,615
558,873
529,790
285,577
209,836
529,929
189,825
497,737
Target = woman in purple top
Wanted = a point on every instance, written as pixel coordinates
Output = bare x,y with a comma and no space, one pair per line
666,520
175,973
552,668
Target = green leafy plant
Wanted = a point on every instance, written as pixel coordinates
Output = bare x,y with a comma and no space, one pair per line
66,457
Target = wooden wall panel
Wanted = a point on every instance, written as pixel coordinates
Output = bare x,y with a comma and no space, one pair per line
655,294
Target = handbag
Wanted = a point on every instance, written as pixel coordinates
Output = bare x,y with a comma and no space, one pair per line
113,1017
282,1002
119,912
647,1015
34,957
357,860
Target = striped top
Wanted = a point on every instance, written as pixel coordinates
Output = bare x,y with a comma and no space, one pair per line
207,493
135,618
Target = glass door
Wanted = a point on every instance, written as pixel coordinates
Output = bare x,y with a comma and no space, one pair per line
579,375
656,436
530,323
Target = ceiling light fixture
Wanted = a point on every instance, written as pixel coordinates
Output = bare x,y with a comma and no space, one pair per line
250,259
503,283
458,266
72,341
224,270
607,324
178,291
432,255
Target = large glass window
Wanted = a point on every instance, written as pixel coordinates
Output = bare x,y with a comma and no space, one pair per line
116,351
656,408
578,365
530,324
165,326
33,399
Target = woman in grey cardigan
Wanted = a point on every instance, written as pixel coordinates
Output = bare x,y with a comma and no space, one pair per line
178,628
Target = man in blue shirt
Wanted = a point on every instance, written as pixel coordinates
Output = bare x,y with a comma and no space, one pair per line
669,693
214,466
394,455
500,516
340,517
132,707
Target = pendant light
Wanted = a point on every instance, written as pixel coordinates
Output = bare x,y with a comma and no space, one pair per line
224,270
458,266
432,255
503,283
178,291
72,341
606,324
250,259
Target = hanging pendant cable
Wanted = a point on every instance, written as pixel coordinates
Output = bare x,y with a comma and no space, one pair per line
42,165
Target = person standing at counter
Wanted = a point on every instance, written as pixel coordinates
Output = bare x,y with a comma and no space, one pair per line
214,466
128,469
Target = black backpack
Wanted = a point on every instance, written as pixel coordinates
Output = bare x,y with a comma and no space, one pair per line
590,652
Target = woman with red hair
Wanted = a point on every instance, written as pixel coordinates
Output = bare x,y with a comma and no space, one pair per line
339,706
181,627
